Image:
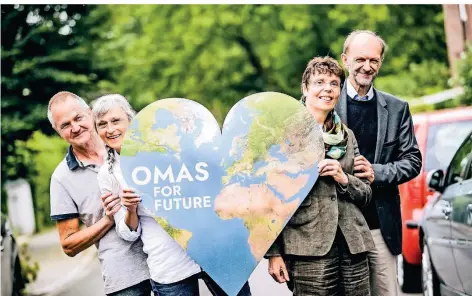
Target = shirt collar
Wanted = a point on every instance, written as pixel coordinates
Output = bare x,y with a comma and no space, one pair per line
74,163
353,93
71,160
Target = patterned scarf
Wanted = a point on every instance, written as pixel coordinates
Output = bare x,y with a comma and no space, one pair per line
334,136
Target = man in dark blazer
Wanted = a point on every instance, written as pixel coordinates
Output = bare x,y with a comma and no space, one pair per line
383,128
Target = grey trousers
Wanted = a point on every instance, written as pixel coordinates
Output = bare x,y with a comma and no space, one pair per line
335,274
383,268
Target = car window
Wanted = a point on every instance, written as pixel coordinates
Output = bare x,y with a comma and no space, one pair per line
468,174
443,141
459,164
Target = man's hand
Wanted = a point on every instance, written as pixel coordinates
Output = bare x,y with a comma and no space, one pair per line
278,270
111,204
332,167
363,168
130,200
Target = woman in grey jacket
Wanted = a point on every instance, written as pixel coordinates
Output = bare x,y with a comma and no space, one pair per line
322,249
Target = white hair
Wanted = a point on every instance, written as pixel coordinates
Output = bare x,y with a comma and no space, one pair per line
61,97
107,102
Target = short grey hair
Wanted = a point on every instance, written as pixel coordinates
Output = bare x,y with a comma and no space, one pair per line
107,102
354,33
61,97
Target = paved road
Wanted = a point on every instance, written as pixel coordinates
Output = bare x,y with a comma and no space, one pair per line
90,284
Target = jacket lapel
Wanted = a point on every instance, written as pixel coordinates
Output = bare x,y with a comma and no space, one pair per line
341,106
382,118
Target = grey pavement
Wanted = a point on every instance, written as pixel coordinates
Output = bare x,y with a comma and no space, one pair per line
56,269
90,284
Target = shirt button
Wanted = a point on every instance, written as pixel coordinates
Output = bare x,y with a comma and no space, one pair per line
333,198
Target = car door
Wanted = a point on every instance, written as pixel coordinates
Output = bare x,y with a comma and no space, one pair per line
438,218
437,229
461,216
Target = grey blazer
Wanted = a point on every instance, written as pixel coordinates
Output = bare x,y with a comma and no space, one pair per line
312,229
397,160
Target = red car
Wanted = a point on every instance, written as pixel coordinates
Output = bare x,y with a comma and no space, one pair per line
439,134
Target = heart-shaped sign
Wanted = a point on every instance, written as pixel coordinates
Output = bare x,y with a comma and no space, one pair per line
224,198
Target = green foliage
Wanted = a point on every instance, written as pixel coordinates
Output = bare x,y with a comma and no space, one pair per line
48,153
464,71
464,79
421,79
219,54
29,269
44,50
42,154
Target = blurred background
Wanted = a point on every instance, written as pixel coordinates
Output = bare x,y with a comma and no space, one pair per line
214,54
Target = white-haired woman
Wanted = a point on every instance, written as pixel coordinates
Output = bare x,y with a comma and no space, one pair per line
172,271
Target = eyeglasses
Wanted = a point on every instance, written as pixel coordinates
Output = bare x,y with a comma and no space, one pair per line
321,83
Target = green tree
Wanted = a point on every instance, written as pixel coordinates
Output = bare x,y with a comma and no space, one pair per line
45,49
464,69
47,152
219,54
213,54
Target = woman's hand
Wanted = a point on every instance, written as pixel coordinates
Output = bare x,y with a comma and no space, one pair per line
332,167
130,200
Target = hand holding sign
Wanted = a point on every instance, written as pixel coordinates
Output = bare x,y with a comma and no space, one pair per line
130,199
223,198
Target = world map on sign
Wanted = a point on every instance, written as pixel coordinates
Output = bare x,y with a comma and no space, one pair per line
224,197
